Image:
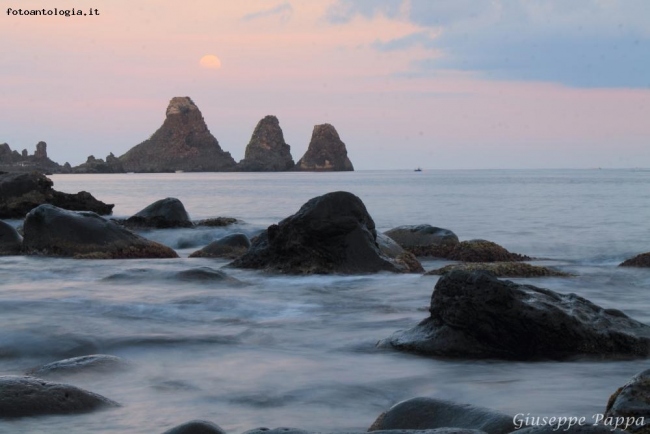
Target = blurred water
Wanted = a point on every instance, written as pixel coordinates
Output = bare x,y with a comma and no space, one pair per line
299,351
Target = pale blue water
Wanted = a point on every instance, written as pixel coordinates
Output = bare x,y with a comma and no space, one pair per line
299,351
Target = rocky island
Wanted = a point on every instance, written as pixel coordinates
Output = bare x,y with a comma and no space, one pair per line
267,151
326,152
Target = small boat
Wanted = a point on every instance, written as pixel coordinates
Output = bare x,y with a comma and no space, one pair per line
418,169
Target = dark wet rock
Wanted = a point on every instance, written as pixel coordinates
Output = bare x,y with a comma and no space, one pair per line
205,274
424,240
12,161
483,251
642,260
91,363
430,413
54,231
332,233
501,269
326,152
632,400
267,150
22,192
196,427
97,165
445,430
217,222
475,315
231,246
29,396
182,143
164,213
11,242
393,250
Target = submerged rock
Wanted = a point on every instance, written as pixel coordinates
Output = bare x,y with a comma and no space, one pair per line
164,213
501,269
196,427
424,240
642,260
483,251
76,365
217,222
332,233
30,396
11,242
182,143
632,400
267,150
205,274
475,315
22,192
231,246
430,413
326,152
54,231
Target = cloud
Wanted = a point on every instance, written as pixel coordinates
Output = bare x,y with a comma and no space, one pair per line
284,10
582,43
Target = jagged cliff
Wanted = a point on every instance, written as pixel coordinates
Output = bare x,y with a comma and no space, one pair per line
183,142
267,151
326,152
12,161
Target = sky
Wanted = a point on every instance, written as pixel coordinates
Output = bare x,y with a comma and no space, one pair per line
437,84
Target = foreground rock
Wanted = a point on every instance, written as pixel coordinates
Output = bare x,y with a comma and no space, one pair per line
30,396
182,143
82,364
332,233
267,150
231,246
162,214
11,242
632,401
326,152
196,427
390,248
424,240
217,222
483,251
429,413
642,260
501,269
54,231
475,315
22,192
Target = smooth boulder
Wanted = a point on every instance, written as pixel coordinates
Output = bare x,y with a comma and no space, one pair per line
231,246
164,213
475,315
77,365
642,260
390,248
430,413
632,400
54,231
23,396
11,242
501,269
332,233
483,251
424,240
196,427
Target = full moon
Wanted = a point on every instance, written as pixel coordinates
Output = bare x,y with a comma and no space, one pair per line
210,61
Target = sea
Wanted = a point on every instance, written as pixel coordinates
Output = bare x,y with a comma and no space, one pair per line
274,350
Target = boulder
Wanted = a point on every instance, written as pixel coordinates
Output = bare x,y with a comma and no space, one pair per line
196,427
267,150
205,274
642,260
75,365
632,401
54,231
501,269
164,213
332,233
393,250
231,246
326,152
430,413
475,315
182,143
483,251
217,222
21,192
30,396
11,242
424,240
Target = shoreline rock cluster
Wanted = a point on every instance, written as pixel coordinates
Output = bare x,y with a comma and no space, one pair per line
184,144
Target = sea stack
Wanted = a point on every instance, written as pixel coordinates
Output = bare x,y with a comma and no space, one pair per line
182,143
267,151
326,152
